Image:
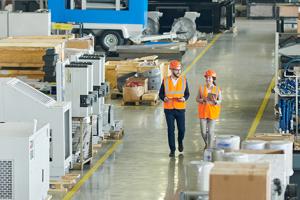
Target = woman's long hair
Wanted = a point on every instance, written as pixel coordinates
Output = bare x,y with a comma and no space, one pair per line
214,81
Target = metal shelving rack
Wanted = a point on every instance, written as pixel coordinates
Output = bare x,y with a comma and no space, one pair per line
290,50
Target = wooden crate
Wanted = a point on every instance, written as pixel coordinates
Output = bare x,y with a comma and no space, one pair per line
25,52
115,135
111,76
32,74
65,183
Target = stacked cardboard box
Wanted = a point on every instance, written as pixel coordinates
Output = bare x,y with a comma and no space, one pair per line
240,181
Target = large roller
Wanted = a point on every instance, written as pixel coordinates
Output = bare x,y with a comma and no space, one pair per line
185,27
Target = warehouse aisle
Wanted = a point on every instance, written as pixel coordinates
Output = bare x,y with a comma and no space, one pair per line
141,168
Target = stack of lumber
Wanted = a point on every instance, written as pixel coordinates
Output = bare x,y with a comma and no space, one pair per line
23,56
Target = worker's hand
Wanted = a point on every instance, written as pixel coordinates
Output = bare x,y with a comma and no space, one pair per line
213,98
182,99
166,99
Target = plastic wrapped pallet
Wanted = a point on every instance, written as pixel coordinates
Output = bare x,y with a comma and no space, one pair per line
81,134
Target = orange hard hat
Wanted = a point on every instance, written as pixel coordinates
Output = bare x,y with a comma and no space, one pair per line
175,64
211,73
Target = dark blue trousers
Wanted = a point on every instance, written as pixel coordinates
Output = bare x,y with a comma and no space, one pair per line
171,116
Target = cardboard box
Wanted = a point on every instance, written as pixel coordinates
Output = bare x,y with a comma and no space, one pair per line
142,81
80,43
133,94
272,136
276,158
111,75
288,11
240,181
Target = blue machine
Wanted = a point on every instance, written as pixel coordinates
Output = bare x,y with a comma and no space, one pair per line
110,26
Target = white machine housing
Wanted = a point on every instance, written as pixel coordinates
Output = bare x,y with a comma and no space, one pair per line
60,80
21,102
78,89
24,161
99,85
24,23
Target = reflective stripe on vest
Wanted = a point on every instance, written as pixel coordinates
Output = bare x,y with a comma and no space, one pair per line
167,88
174,92
208,110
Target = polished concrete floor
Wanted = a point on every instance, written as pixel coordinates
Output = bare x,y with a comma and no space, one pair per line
141,168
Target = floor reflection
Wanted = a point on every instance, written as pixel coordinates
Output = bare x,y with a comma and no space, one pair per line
176,181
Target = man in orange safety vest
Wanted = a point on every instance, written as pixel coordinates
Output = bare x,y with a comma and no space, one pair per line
174,93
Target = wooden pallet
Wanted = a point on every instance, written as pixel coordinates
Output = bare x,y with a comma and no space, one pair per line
141,102
135,103
96,148
150,102
116,135
116,94
80,166
66,183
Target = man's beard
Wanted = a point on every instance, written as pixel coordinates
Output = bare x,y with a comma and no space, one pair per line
177,76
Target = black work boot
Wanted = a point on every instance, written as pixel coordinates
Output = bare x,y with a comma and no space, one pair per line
180,147
172,154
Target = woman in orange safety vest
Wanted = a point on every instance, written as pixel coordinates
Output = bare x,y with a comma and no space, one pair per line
209,106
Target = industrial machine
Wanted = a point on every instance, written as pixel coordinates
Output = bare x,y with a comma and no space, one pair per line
186,26
99,86
21,102
78,88
153,23
215,15
24,160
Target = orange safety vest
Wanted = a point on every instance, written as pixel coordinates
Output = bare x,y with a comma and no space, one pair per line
208,110
174,93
